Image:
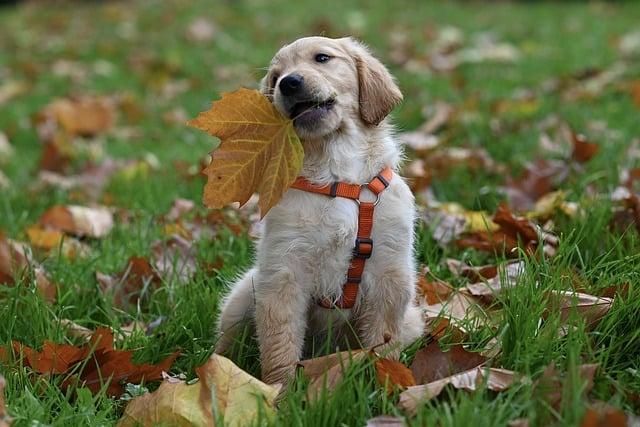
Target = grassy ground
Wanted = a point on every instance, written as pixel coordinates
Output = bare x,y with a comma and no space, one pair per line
144,50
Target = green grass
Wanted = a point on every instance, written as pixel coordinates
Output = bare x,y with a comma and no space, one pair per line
557,41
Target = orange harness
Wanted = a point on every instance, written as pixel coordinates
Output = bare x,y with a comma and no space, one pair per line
364,245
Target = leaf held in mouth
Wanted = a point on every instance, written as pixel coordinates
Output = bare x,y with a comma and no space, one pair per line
259,150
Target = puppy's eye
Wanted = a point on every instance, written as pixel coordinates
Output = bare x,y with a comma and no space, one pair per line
322,57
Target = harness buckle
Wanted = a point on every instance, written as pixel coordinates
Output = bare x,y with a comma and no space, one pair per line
363,248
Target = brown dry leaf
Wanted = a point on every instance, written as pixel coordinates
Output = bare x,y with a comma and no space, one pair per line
583,149
539,178
223,392
434,292
84,116
49,240
589,307
259,150
551,383
174,259
136,282
393,375
495,379
506,276
5,419
75,330
105,363
460,309
81,221
327,372
601,414
431,363
16,262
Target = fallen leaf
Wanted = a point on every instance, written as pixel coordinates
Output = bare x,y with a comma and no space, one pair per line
48,240
93,222
105,363
434,292
135,283
259,150
327,372
393,375
85,116
538,178
224,392
431,363
583,150
589,307
16,262
494,379
601,414
551,382
75,330
506,276
174,259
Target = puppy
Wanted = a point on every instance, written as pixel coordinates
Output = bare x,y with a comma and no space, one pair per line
338,96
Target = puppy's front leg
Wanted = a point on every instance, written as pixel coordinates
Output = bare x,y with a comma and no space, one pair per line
281,320
382,311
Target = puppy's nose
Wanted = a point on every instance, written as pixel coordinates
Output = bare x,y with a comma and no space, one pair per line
291,84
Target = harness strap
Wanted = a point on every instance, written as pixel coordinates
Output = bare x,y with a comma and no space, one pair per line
364,244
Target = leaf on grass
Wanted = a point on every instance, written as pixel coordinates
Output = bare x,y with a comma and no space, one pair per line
84,116
48,240
16,262
259,150
223,392
135,283
431,363
538,179
80,221
393,375
327,372
550,384
494,379
589,307
174,259
602,414
93,364
434,292
583,149
506,276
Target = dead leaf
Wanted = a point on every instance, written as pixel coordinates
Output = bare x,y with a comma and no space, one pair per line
431,363
495,379
84,116
506,276
601,414
49,240
327,372
75,330
589,307
174,259
538,178
434,292
16,262
94,222
259,150
393,375
223,392
583,150
551,382
135,283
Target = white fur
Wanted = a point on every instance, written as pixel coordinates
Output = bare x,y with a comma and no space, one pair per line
307,244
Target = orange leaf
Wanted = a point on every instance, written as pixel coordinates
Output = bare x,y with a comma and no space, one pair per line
431,363
392,375
259,150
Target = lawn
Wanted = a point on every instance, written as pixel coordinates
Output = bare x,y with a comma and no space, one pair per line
547,68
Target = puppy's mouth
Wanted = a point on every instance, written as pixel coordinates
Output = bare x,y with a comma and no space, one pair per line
307,112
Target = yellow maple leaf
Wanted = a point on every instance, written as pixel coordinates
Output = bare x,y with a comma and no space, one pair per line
259,150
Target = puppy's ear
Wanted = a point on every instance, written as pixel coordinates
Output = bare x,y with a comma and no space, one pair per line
378,91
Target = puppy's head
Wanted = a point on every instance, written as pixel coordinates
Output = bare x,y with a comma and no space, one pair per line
323,83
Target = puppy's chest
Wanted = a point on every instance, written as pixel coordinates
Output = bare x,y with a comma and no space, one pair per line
329,224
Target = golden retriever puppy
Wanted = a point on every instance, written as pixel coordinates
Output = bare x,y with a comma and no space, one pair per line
338,96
